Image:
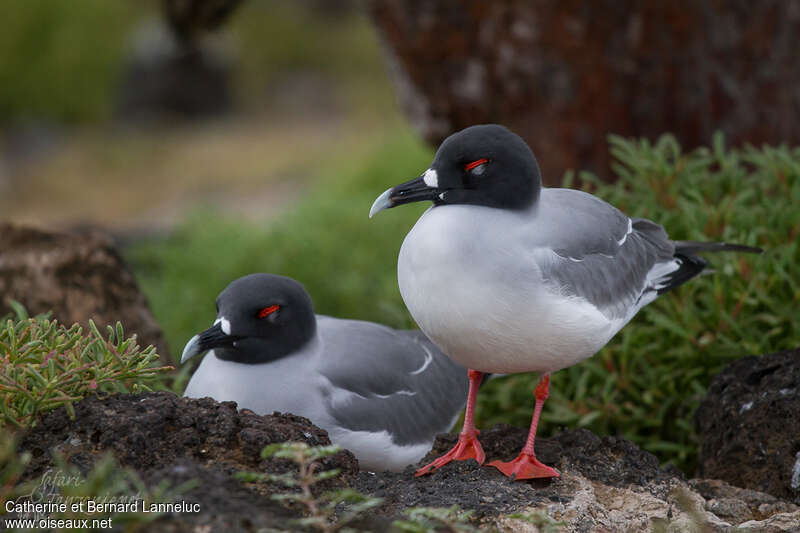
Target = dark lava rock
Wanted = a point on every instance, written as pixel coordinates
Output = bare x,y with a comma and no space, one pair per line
78,277
154,430
606,484
166,438
610,461
566,73
749,425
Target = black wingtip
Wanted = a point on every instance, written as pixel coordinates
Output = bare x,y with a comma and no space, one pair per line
692,247
690,266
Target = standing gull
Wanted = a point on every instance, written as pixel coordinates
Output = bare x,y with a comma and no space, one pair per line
507,276
381,393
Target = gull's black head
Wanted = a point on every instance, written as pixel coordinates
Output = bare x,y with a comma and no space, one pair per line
260,318
485,165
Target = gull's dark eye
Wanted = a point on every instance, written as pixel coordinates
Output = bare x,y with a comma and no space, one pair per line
476,167
266,311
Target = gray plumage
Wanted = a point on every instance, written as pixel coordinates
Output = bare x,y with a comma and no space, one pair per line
400,382
603,256
538,289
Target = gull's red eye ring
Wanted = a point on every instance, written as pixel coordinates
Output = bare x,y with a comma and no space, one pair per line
476,163
264,313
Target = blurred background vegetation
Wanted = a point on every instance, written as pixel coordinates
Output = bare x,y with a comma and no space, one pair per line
307,86
282,179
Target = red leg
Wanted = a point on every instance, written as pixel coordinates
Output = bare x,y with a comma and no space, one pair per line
468,446
526,466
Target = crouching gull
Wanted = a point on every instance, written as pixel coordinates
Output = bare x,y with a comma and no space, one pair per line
381,393
507,276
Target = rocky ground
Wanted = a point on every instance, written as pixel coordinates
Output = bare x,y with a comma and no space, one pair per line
167,438
606,484
750,421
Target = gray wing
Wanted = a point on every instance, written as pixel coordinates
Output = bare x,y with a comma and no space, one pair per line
598,253
391,380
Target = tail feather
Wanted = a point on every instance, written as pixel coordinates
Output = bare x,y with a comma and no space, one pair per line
691,265
693,247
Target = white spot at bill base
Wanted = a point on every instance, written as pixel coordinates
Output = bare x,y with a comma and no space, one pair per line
225,325
430,178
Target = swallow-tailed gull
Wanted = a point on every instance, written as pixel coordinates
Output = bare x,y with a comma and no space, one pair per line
507,276
381,393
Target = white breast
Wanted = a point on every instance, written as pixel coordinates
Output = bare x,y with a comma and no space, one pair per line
263,388
478,295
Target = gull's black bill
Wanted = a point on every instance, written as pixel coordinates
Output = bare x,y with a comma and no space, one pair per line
211,338
415,190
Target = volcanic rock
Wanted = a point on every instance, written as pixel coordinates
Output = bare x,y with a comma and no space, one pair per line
749,425
606,484
76,276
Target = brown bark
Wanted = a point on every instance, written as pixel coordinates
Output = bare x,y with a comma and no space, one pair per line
565,73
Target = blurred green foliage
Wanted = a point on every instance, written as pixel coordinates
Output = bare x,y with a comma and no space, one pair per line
63,61
60,60
433,519
280,38
12,466
645,385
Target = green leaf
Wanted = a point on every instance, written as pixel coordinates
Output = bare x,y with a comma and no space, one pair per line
18,309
